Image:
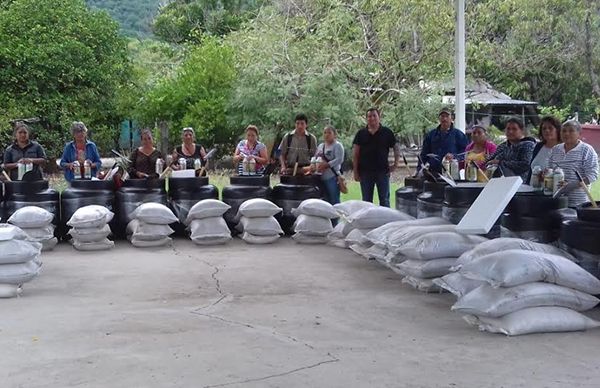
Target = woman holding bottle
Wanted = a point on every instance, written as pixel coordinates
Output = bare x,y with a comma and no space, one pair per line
80,157
188,151
143,158
251,150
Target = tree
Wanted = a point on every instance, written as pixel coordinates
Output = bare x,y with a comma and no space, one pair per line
60,62
196,95
187,20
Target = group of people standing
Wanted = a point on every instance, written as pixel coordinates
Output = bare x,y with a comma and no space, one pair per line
559,145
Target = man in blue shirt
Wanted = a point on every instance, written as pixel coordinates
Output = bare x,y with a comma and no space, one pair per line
445,141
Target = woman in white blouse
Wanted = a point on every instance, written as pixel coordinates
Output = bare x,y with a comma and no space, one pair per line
574,155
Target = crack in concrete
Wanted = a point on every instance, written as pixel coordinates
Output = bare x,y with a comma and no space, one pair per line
223,319
214,267
212,304
318,364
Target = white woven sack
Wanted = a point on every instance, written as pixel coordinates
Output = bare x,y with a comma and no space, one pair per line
340,243
258,207
316,207
18,251
504,244
209,228
19,273
10,291
259,226
378,253
438,245
534,320
397,239
93,246
312,225
357,236
493,302
374,217
31,217
143,231
207,208
426,269
347,208
91,216
154,213
12,232
457,284
337,231
151,243
358,249
302,238
252,239
514,267
48,245
379,236
90,234
38,234
423,285
208,240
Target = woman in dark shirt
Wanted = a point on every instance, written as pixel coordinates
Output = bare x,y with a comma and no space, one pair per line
24,151
143,158
188,150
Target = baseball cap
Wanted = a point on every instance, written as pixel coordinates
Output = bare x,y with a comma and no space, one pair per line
188,129
445,110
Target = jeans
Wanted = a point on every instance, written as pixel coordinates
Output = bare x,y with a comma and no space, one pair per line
332,191
368,181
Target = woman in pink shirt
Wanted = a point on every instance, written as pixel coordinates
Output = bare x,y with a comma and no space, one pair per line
480,147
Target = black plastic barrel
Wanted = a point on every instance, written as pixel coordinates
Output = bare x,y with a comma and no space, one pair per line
406,197
430,201
457,200
82,193
132,194
290,192
185,193
241,189
18,194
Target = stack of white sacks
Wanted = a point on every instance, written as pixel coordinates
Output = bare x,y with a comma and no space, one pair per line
515,287
19,260
206,224
257,223
149,225
90,229
313,221
37,225
430,255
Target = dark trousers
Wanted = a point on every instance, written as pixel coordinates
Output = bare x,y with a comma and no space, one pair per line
368,181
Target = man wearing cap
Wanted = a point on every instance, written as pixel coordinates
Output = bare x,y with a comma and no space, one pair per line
444,141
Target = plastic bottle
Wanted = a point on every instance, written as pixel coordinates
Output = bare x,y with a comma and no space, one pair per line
446,165
169,160
472,172
197,164
313,164
159,166
558,177
87,170
548,181
454,170
20,170
245,167
182,163
537,178
251,166
76,170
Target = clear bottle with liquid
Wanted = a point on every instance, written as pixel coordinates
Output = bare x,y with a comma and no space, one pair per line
454,170
76,170
87,170
245,165
548,181
558,177
252,166
537,178
159,166
182,164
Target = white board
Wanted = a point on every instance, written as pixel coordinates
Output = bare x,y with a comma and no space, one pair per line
489,205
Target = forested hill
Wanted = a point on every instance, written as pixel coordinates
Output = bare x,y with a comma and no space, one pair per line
134,16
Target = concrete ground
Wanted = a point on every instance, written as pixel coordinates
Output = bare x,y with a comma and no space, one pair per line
260,316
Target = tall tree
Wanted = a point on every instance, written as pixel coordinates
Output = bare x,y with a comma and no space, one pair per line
60,61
